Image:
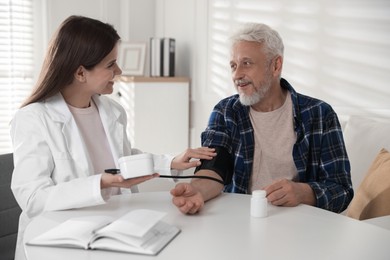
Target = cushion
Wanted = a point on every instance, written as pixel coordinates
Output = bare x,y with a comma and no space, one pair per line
372,198
9,209
364,137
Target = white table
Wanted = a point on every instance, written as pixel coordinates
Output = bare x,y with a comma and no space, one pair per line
383,222
225,230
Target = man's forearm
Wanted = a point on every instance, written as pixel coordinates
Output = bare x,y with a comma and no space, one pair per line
208,188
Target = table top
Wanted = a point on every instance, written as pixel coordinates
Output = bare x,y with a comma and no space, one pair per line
383,222
224,229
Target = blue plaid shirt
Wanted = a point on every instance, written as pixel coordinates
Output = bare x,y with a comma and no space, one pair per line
319,152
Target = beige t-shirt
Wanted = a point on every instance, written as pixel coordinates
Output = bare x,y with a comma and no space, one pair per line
274,140
95,140
94,136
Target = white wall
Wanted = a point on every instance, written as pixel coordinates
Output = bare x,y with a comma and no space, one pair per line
133,19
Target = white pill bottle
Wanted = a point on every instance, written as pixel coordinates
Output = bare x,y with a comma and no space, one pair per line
259,204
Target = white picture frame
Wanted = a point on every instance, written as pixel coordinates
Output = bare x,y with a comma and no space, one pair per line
132,58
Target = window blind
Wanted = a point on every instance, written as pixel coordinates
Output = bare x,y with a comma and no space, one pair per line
335,50
16,61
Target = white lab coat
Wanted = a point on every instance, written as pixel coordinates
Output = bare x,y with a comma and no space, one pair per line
52,171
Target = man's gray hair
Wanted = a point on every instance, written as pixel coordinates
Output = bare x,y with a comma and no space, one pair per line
261,33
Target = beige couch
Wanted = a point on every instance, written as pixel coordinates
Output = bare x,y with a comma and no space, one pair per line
365,137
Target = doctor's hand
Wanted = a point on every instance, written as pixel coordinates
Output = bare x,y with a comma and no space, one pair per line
183,160
110,180
187,198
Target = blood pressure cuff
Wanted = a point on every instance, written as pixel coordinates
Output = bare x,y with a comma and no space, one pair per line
222,164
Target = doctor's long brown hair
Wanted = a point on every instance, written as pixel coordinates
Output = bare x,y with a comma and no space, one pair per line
79,41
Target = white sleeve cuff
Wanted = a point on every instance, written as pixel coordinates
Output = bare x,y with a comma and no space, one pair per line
162,166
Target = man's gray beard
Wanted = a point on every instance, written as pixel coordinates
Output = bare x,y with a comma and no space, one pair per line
255,97
250,100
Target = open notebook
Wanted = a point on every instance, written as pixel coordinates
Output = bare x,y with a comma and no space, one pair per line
139,231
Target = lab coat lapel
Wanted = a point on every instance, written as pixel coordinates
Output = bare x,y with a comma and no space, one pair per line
60,112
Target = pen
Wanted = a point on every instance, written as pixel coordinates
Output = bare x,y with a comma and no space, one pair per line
112,171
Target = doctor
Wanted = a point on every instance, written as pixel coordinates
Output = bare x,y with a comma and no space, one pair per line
67,132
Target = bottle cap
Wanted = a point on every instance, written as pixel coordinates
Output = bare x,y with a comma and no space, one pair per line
259,193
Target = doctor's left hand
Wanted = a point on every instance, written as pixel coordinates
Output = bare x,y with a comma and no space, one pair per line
184,160
109,180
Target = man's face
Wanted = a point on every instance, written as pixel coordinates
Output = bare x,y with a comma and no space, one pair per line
251,72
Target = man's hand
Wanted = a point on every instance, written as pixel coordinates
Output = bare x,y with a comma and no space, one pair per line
187,198
288,193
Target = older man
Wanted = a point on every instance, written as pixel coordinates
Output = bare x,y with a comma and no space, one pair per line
270,137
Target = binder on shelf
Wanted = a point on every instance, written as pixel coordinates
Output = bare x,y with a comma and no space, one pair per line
162,57
155,57
168,57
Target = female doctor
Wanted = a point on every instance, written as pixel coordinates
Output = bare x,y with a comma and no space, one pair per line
67,132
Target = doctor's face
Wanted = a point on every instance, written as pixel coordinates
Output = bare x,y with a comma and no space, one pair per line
101,78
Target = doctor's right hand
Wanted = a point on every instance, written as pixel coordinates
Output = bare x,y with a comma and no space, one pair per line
110,180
